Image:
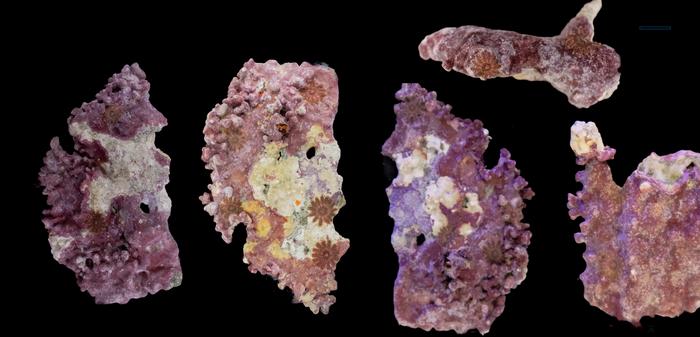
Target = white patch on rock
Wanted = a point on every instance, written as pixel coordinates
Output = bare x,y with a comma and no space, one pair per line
58,244
583,136
590,10
435,146
324,163
410,167
275,179
279,180
529,74
132,168
668,169
472,203
442,191
465,229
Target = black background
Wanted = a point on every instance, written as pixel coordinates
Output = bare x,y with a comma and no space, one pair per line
190,55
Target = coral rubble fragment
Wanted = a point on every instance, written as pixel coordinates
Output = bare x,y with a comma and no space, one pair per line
642,238
108,215
458,232
584,70
271,148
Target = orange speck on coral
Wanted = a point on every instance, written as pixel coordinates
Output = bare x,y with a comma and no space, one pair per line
297,202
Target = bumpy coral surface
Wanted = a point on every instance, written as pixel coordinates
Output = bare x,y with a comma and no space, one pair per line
108,215
457,233
584,70
270,146
642,238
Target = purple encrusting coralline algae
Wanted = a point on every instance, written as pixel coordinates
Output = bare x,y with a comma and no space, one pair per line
108,215
458,232
273,157
584,70
642,239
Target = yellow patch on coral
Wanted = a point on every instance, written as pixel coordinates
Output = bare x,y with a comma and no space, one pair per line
315,134
248,247
263,227
252,206
276,251
465,229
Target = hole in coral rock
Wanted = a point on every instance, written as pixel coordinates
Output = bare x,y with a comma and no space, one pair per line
145,208
122,247
89,263
692,164
447,281
283,111
420,239
491,158
311,152
142,277
116,88
390,169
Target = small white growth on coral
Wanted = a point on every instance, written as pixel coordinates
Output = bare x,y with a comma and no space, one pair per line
665,170
465,229
58,243
472,204
590,10
410,167
442,191
583,136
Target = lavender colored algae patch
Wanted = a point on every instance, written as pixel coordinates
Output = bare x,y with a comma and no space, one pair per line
458,232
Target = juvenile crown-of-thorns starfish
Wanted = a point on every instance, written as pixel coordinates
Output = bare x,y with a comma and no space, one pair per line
270,146
584,70
457,232
108,215
642,238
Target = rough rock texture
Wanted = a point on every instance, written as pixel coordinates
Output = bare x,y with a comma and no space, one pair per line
270,146
641,239
584,70
108,215
457,233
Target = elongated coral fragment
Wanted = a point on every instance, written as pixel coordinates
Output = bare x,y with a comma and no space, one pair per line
584,70
108,215
642,238
270,146
458,232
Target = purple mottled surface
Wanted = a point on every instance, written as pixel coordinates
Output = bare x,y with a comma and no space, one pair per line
642,238
108,210
458,230
584,70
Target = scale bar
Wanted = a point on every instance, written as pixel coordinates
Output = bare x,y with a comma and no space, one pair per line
661,28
